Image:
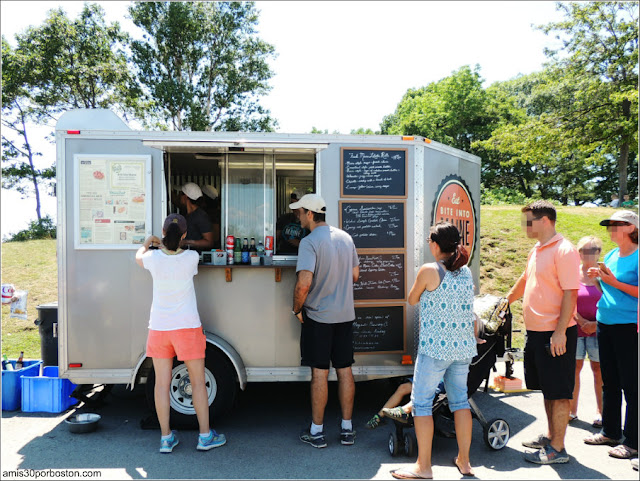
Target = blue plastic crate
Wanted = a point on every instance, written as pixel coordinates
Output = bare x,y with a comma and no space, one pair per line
47,393
11,385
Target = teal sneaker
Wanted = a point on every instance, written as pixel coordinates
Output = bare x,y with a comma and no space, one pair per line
167,445
214,440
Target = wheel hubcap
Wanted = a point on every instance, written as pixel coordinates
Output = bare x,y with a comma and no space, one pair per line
181,391
498,434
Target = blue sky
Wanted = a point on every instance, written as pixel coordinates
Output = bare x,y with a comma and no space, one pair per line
345,65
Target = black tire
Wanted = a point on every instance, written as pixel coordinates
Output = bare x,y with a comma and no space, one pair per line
394,448
496,433
221,388
410,443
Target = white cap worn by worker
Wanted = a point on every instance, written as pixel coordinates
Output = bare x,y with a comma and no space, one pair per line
192,191
312,202
210,191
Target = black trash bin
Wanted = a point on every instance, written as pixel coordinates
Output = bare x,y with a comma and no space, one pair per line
47,323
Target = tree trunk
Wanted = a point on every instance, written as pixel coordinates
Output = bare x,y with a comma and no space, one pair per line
623,164
34,176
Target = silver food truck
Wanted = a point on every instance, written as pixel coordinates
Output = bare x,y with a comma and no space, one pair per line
114,190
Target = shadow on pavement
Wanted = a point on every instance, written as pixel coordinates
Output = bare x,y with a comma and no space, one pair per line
263,443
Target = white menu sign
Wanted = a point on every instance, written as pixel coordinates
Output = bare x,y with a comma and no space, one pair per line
113,199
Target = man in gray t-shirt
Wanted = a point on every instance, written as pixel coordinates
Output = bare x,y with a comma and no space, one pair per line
323,302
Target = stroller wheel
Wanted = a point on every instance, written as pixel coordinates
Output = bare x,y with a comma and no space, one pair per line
394,444
410,442
496,434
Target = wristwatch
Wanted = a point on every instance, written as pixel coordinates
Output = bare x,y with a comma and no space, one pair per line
295,313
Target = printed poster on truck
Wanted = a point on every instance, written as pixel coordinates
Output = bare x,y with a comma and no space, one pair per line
113,204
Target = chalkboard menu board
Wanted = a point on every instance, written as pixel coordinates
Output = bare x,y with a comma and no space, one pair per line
379,329
374,224
374,172
381,277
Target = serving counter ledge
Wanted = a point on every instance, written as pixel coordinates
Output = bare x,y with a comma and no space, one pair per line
278,265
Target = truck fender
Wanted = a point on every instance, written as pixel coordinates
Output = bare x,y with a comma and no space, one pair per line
232,354
214,340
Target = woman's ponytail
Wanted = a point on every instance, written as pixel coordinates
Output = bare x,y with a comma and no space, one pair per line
172,237
448,238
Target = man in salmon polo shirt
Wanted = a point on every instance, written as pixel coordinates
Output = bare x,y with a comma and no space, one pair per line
550,286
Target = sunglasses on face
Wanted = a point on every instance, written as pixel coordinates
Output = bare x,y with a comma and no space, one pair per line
529,222
590,250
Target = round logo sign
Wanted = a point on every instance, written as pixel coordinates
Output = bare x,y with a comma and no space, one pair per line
453,204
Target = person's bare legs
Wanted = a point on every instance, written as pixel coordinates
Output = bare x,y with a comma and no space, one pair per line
424,434
396,398
547,409
162,368
199,393
319,394
597,385
576,389
346,392
558,422
464,427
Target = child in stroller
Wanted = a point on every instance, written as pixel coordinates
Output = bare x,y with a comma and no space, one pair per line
495,330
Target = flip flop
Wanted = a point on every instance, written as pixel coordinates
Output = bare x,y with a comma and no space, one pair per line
597,422
573,417
455,463
402,473
623,452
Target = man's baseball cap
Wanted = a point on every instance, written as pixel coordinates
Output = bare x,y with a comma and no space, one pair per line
192,190
622,216
175,219
312,202
210,191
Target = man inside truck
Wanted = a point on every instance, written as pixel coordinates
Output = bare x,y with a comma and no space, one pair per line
199,229
289,231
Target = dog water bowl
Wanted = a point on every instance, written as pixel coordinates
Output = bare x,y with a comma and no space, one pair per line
82,423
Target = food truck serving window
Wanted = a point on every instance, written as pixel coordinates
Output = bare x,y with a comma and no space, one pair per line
112,208
253,190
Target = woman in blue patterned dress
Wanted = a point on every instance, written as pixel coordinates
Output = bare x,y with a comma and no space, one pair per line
446,347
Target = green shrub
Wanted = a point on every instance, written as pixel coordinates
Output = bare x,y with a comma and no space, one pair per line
44,228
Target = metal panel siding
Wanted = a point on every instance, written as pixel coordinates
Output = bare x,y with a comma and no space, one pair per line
108,296
437,166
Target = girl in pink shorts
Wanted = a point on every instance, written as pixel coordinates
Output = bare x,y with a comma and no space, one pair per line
175,328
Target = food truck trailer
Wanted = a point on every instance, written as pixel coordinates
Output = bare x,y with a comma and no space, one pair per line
114,189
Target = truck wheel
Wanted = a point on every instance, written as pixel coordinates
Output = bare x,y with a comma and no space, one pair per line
219,379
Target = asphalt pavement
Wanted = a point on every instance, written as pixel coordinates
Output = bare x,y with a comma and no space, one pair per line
262,433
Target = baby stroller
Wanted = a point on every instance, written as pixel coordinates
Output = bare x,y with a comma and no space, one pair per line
495,328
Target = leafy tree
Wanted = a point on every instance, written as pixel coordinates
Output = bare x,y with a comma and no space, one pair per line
202,66
18,156
451,111
599,55
363,131
59,65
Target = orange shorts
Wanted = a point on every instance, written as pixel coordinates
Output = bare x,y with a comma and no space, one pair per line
187,344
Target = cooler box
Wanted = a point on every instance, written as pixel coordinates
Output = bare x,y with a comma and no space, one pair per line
12,386
47,393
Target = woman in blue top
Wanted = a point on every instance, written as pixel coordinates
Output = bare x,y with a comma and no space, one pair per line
446,346
617,312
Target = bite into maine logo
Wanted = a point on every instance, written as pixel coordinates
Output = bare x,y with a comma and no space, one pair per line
453,204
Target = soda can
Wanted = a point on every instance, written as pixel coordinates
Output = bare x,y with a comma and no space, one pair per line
230,242
229,256
268,243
